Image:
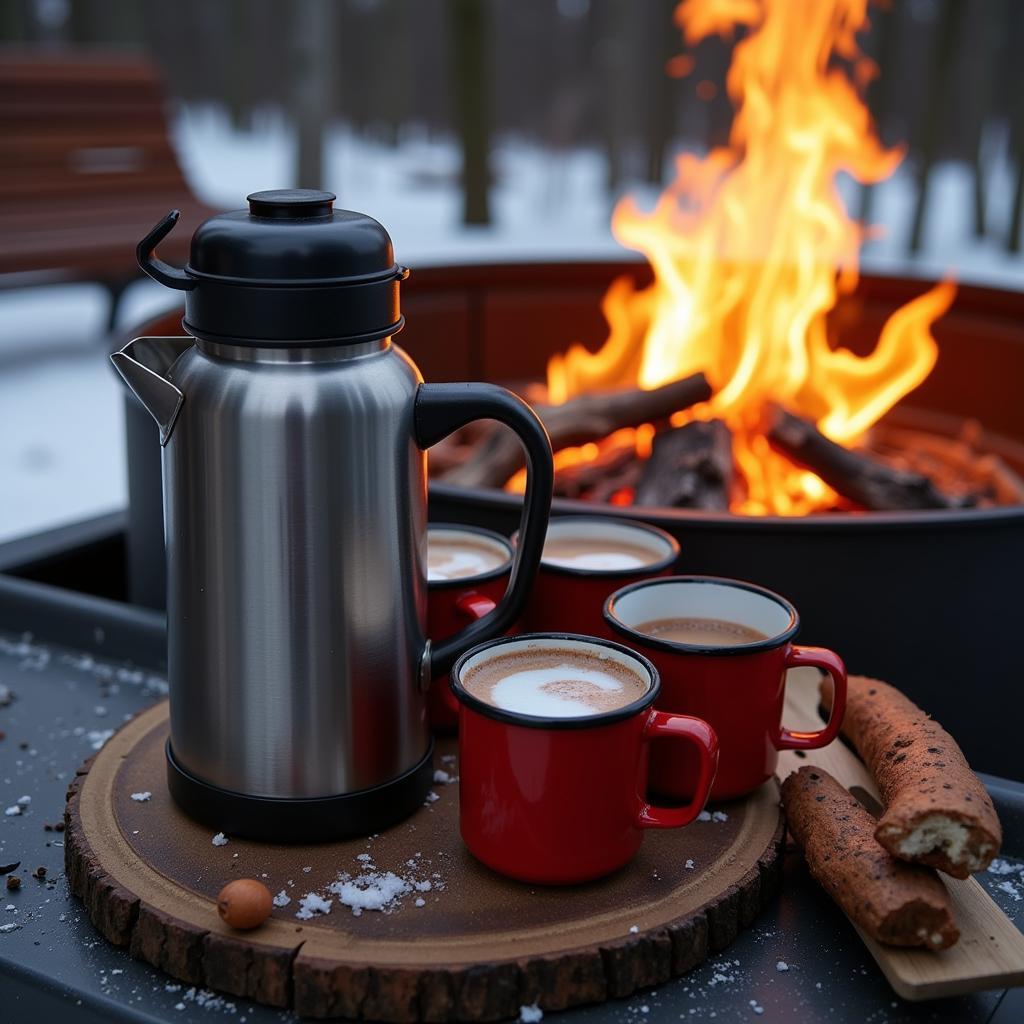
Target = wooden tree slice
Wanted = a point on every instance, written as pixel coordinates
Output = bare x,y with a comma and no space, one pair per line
478,948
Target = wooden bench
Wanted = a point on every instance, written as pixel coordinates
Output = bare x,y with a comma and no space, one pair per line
86,169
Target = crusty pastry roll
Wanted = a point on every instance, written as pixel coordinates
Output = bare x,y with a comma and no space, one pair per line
937,812
894,902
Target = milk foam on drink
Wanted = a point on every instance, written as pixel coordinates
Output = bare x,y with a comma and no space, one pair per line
600,546
455,556
524,692
554,683
599,560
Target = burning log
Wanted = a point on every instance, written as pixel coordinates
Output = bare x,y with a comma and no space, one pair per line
600,478
586,418
690,467
959,465
866,481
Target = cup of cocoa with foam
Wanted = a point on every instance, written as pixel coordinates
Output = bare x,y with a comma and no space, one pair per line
722,648
586,558
467,572
554,731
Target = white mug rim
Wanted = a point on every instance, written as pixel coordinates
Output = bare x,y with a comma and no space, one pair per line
635,636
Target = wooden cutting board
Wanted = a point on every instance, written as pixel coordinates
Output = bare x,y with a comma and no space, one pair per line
990,953
469,946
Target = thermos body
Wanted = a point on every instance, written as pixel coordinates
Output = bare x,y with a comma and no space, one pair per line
295,517
294,434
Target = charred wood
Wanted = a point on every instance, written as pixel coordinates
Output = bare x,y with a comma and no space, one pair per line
957,465
598,479
866,481
578,421
689,467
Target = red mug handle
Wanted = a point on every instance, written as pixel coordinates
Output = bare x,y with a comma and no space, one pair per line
818,657
702,736
472,606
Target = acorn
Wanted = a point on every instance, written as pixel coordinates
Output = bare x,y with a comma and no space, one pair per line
244,903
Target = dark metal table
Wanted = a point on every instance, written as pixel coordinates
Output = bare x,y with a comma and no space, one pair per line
78,666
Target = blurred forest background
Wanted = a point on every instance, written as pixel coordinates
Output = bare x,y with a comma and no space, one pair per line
473,130
559,74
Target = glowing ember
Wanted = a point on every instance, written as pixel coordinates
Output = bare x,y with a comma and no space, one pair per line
752,246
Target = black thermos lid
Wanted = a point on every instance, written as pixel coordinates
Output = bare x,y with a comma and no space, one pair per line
289,271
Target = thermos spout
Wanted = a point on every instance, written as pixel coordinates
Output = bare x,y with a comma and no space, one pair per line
143,363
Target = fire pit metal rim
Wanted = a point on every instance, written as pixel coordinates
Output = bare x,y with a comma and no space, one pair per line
823,522
984,301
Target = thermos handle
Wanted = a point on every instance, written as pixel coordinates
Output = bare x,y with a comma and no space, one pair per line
145,253
443,408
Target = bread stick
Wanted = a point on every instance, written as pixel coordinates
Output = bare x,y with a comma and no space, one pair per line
937,812
896,903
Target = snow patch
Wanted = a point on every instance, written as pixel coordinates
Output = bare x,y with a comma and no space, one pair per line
370,891
312,904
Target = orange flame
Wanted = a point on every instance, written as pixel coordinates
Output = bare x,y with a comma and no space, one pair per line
751,247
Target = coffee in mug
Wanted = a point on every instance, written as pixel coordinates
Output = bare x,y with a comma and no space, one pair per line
722,648
587,557
554,683
598,553
555,732
457,554
467,573
695,631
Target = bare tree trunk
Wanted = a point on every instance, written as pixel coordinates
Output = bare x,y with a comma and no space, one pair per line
613,89
310,87
1013,239
992,22
470,48
940,82
1014,25
880,92
661,113
398,62
238,86
107,22
15,20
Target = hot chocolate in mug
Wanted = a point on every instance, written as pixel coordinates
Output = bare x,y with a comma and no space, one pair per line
722,648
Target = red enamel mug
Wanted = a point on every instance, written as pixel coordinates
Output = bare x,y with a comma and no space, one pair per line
465,585
558,800
737,687
576,576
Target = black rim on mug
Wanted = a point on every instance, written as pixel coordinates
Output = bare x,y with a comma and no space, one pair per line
479,577
620,526
776,639
627,654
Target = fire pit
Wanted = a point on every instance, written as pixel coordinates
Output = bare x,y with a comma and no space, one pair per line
745,392
899,531
927,599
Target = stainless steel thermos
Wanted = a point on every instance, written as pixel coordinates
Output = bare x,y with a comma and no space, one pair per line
295,509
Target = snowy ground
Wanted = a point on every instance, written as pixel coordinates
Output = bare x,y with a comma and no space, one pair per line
61,445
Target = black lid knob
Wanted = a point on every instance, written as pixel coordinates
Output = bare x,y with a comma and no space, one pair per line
290,203
291,270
